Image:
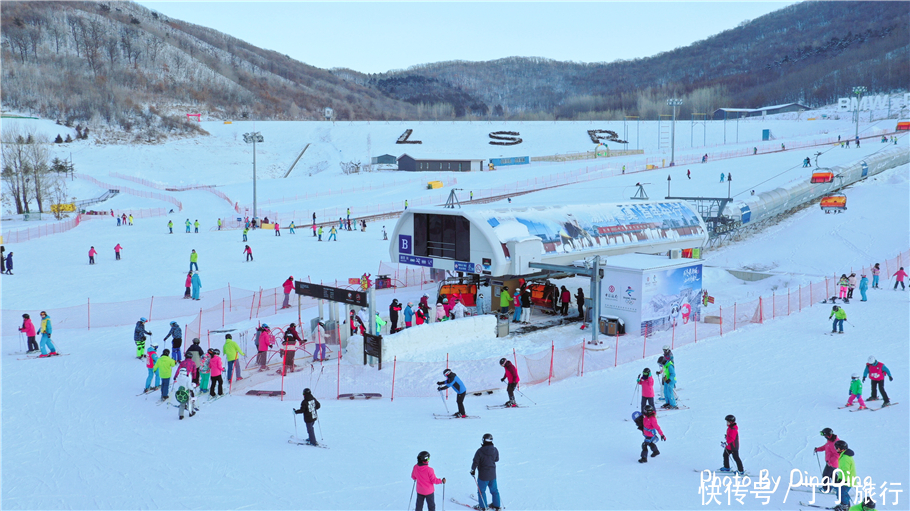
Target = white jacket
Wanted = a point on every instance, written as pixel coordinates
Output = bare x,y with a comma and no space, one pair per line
458,310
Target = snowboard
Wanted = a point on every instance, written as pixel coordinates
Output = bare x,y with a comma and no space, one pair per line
265,393
364,395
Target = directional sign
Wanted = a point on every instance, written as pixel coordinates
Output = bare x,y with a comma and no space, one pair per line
333,294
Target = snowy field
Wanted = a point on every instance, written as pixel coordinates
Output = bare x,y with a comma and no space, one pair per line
76,436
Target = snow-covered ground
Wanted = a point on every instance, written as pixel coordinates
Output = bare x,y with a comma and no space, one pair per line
75,435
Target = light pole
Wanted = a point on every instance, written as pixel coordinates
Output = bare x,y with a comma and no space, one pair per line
674,103
251,138
859,91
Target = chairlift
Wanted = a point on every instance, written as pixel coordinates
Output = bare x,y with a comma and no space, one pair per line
834,203
822,176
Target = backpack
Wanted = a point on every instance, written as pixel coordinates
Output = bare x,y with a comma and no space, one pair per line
182,395
639,420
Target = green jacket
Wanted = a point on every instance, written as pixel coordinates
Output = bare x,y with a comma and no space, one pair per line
838,314
231,349
194,256
379,323
245,231
170,223
846,464
196,223
165,365
504,298
856,387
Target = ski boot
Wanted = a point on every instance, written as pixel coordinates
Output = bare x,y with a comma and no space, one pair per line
643,460
508,403
886,402
861,407
848,404
655,454
873,398
723,469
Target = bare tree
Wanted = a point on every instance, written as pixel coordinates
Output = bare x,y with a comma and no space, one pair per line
92,42
15,164
75,24
112,48
153,47
37,151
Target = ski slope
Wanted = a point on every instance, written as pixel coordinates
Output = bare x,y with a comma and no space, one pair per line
76,436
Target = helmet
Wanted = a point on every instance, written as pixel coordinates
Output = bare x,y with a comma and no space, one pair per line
730,418
26,316
173,323
840,445
854,376
502,361
487,438
265,325
211,351
827,432
868,503
196,340
154,347
423,457
307,392
646,371
872,360
666,347
217,351
292,325
291,277
835,308
228,336
447,372
143,320
661,360
649,410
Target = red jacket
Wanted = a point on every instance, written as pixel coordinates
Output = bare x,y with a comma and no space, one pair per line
650,425
647,387
511,372
288,286
566,296
189,280
732,437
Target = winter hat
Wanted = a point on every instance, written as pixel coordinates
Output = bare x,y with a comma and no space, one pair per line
26,316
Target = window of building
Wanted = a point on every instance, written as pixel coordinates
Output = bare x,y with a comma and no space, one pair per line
442,236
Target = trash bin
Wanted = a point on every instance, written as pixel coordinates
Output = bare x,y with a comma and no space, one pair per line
502,328
612,325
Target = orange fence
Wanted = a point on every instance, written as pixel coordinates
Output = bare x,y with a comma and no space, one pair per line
39,231
131,191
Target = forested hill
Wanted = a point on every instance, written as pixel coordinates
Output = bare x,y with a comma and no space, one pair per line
133,73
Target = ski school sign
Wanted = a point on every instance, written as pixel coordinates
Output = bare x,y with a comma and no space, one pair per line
880,102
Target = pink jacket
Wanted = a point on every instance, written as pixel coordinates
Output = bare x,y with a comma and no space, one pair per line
92,252
426,478
118,248
215,366
732,438
265,340
650,422
189,280
831,457
288,286
900,274
516,300
189,365
876,271
28,327
647,387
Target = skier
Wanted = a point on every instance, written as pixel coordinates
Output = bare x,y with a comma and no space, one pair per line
308,408
721,177
277,229
152,355
188,224
197,285
851,285
28,328
246,230
650,429
288,351
216,368
163,367
669,383
204,367
288,287
332,234
194,257
188,284
504,300
9,264
45,330
485,460
139,337
899,276
320,233
842,285
196,225
249,253
856,391
408,315
265,340
688,173
394,309
219,228
319,349
170,226
117,250
452,380
830,458
458,311
863,287
291,227
668,354
425,478
876,270
379,324
441,310
231,352
131,219
92,252
647,389
421,316
526,306
839,315
877,371
314,226
580,303
565,298
195,352
479,310
176,335
190,366
847,474
185,392
512,375
731,446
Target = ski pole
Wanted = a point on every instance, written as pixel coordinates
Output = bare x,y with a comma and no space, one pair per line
444,401
412,495
634,392
443,496
524,396
20,341
296,435
818,460
481,496
321,439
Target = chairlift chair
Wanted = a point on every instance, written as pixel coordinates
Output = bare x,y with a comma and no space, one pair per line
834,203
822,176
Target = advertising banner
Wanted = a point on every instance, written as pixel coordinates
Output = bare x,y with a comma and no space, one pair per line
670,297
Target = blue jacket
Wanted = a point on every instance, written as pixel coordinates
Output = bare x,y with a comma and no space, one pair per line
408,314
175,332
863,284
140,331
197,283
455,383
9,261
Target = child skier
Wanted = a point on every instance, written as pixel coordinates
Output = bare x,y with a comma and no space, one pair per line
842,284
308,408
139,337
28,328
216,368
152,358
899,278
856,391
830,458
425,478
205,370
876,271
163,367
669,382
452,380
485,461
839,315
846,475
647,388
185,392
731,446
851,285
877,371
176,335
512,375
650,429
863,287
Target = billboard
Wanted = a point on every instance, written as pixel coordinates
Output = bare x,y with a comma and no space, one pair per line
621,294
670,297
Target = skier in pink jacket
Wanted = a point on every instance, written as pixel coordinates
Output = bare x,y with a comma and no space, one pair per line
92,252
899,275
831,457
425,480
650,429
28,328
266,340
647,388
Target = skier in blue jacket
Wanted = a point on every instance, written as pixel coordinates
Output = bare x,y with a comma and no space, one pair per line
452,380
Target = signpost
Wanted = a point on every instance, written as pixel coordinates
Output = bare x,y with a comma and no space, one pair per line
372,346
332,294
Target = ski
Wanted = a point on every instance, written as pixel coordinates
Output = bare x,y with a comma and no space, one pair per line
718,473
862,409
814,505
473,497
149,391
36,357
497,407
446,416
889,405
463,504
211,399
297,441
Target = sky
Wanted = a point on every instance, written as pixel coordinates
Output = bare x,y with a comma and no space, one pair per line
374,37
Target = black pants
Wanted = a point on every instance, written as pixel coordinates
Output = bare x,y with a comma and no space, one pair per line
511,390
828,473
645,401
118,255
394,327
187,293
431,504
581,310
32,345
849,293
91,260
460,401
644,449
565,308
220,382
879,386
735,454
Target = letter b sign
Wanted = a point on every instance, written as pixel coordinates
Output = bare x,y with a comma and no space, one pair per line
404,244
